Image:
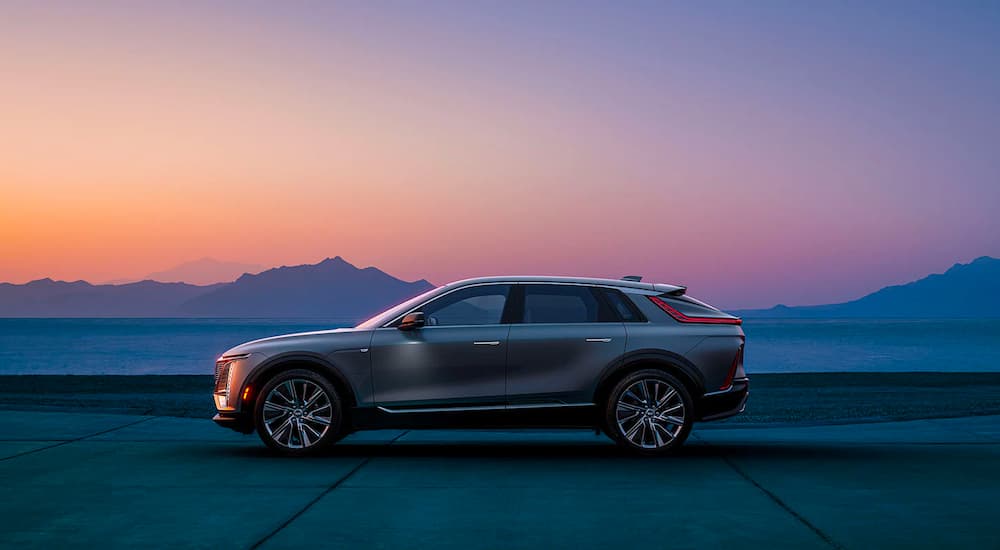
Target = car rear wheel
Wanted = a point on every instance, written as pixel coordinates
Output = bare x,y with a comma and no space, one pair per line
649,412
298,413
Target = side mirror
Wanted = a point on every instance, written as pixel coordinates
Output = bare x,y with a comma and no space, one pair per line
412,320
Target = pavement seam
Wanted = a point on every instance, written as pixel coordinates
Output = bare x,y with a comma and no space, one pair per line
74,440
319,497
781,504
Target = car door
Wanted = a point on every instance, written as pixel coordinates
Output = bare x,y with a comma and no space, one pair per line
566,335
457,358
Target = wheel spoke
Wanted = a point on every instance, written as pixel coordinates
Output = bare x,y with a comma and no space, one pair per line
276,418
666,397
630,434
285,426
317,419
290,385
317,409
274,406
630,394
645,392
660,427
656,434
303,436
309,428
676,407
630,407
629,417
650,433
312,400
276,392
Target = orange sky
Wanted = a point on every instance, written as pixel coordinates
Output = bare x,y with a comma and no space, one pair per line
445,142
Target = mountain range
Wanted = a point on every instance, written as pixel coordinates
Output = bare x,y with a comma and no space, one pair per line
336,289
965,290
204,271
331,289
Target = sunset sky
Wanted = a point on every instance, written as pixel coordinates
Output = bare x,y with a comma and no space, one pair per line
759,152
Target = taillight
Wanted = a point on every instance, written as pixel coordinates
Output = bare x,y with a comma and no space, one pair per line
680,317
737,361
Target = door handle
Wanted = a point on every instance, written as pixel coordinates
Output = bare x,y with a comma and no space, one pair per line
605,340
488,343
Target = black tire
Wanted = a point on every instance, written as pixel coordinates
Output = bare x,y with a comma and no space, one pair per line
304,423
654,426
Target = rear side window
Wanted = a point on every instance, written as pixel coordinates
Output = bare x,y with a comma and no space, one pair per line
564,304
624,307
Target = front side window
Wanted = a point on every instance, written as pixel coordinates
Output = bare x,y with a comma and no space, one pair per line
476,305
564,304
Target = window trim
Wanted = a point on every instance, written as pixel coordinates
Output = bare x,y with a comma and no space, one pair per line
511,316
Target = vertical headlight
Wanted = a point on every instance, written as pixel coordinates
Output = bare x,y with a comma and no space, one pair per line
224,372
229,379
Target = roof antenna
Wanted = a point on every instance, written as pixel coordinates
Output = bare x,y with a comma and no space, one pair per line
633,278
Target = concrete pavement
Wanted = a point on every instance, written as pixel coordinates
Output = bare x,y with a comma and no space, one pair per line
88,479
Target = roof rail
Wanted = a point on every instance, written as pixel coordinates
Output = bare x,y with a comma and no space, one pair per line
633,278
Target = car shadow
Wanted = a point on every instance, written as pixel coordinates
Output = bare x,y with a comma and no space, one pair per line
571,451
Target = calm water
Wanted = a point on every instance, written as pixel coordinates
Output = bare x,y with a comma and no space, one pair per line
189,346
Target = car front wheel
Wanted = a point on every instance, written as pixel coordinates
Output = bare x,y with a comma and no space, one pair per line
649,412
298,412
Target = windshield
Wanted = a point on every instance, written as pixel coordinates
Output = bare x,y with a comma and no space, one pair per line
393,312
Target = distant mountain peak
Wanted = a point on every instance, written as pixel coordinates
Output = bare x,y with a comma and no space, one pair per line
50,282
333,287
980,262
965,290
335,262
203,271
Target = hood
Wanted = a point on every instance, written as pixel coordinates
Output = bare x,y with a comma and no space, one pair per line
314,341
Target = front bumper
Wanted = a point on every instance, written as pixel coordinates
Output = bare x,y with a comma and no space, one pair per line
719,405
239,422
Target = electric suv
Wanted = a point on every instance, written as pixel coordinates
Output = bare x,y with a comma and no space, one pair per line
639,361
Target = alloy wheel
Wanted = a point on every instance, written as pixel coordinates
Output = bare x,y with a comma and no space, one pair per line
650,413
297,413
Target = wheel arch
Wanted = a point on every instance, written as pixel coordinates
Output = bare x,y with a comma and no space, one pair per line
307,361
670,363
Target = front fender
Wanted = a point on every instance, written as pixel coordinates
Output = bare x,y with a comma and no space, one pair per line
350,378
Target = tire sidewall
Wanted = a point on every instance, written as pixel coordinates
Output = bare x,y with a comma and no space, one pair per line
611,418
332,434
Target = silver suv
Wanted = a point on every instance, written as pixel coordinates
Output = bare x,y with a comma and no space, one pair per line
640,361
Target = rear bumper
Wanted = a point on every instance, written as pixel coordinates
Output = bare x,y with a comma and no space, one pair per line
719,405
234,421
